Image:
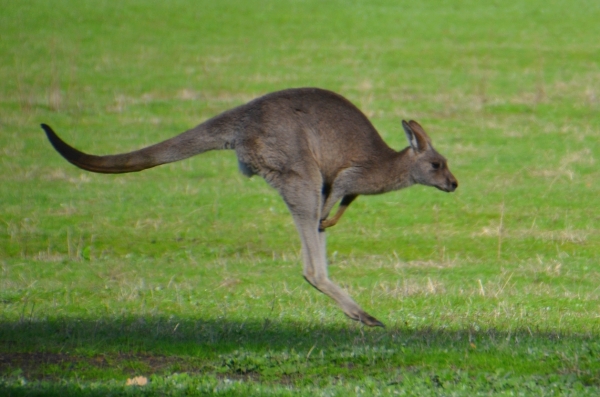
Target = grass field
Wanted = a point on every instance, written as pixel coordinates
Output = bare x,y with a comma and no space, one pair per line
189,274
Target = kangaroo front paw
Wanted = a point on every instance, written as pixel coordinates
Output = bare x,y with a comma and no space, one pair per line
325,223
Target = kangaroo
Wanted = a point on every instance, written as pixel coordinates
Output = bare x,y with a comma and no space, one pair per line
314,147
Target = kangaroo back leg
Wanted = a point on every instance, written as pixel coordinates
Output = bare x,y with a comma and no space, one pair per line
303,199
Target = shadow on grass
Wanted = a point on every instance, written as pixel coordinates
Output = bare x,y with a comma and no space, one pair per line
284,352
184,336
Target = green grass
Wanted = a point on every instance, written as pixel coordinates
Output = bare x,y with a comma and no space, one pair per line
190,274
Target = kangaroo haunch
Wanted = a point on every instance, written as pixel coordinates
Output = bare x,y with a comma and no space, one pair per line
313,146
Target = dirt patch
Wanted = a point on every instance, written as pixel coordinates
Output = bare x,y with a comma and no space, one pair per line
37,365
57,366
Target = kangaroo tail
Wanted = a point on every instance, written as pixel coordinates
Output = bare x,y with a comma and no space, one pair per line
216,133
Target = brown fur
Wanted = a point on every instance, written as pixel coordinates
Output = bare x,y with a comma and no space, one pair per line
314,147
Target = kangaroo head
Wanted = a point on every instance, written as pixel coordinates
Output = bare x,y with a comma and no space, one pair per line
427,167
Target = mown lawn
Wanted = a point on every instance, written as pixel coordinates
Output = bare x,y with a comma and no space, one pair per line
189,275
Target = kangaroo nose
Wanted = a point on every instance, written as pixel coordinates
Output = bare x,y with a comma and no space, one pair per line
453,185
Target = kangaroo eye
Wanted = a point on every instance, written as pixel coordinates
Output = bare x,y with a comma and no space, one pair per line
436,165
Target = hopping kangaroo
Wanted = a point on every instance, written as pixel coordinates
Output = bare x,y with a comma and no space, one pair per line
314,147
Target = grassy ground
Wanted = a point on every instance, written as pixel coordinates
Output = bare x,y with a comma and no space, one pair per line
190,274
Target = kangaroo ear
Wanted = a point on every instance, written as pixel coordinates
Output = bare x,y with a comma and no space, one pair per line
417,138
